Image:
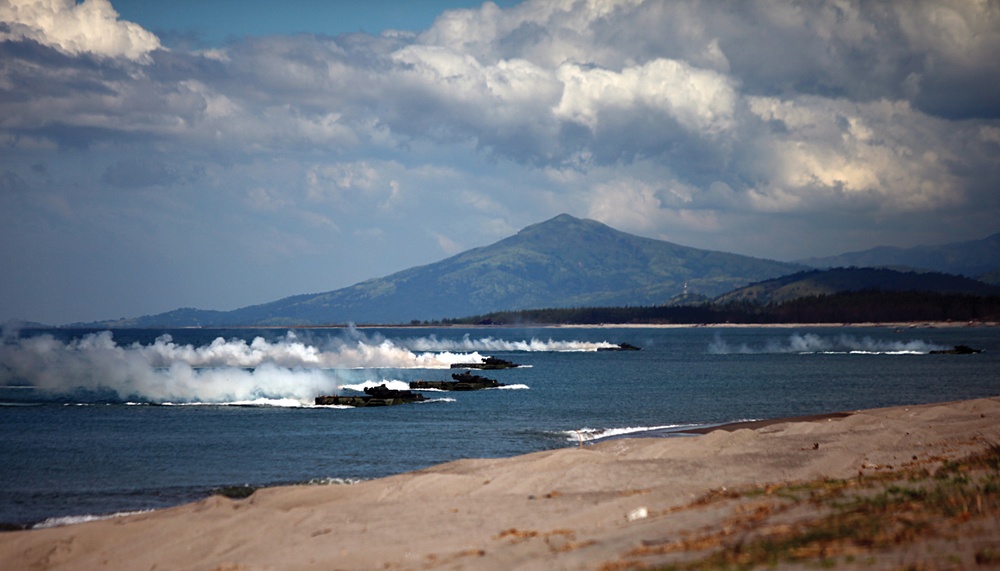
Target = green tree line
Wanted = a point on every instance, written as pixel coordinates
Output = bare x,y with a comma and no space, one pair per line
847,307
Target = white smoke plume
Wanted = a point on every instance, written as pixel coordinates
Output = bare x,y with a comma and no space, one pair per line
291,351
293,366
812,343
466,343
96,363
222,371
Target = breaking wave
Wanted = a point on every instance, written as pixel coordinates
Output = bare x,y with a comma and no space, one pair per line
592,434
77,519
836,344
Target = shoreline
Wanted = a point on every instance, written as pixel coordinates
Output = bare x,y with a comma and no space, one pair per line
766,422
615,504
672,432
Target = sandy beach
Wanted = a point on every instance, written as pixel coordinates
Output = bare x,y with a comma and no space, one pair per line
621,504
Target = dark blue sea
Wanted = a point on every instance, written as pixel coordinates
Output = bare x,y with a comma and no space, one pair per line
95,422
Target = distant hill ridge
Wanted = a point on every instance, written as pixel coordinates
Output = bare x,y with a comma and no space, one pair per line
841,280
562,262
972,258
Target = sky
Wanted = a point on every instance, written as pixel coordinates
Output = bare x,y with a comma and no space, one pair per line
218,154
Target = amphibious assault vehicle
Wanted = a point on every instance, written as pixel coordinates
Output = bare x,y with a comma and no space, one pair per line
957,350
488,363
463,382
374,396
620,347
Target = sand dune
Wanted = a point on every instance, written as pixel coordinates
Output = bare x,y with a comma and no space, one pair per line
619,504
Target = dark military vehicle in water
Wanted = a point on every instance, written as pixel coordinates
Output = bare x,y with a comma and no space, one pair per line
620,347
488,363
374,396
957,350
462,382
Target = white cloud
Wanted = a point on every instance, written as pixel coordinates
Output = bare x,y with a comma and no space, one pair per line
91,26
661,207
471,96
884,153
547,32
442,71
702,101
953,33
990,134
214,105
461,30
447,245
265,200
627,204
354,187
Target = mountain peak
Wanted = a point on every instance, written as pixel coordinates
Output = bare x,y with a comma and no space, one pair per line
562,218
565,226
562,262
561,221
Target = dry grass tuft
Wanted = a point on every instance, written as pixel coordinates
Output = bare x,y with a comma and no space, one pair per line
823,520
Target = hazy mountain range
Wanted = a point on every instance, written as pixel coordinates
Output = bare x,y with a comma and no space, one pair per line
852,279
973,258
562,262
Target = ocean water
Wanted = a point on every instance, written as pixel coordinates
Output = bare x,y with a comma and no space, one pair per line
95,423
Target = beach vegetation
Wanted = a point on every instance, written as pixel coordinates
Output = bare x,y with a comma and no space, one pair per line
988,556
829,521
842,307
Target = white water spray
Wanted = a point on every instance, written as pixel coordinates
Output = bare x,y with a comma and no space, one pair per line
812,343
466,343
224,371
234,371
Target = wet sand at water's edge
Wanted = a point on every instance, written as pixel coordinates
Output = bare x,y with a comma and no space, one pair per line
771,490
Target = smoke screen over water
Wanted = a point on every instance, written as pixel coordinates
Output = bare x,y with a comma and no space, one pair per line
813,343
293,368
